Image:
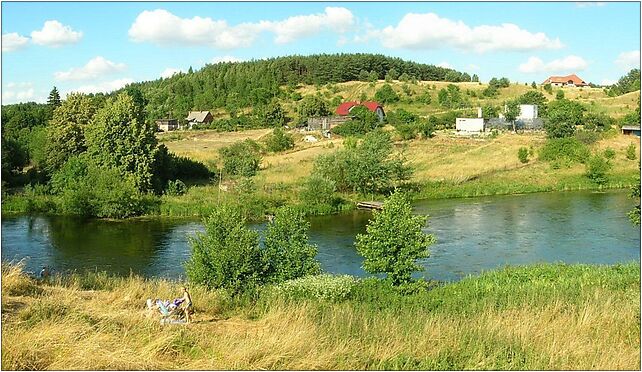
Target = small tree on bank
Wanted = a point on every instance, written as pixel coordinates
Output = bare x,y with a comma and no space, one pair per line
394,241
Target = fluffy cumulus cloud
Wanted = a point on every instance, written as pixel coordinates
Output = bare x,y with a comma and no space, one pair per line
13,41
18,92
162,27
55,34
430,31
104,87
169,72
628,60
566,64
95,68
444,64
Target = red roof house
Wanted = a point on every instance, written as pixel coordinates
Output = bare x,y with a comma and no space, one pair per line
345,107
569,80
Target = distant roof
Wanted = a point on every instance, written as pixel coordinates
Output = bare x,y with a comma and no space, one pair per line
198,116
631,127
345,107
565,79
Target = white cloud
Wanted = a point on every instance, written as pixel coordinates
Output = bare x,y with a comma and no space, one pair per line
220,59
162,27
566,64
18,92
587,4
430,31
444,65
628,60
103,87
169,72
606,82
95,68
55,34
473,67
13,41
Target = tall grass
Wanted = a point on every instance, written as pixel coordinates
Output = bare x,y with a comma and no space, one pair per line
537,317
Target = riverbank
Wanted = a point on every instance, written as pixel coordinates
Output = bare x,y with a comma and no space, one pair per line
535,317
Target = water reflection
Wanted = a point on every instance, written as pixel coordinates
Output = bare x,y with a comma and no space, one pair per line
473,235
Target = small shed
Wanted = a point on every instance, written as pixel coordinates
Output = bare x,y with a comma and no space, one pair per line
631,130
527,112
469,125
167,125
199,117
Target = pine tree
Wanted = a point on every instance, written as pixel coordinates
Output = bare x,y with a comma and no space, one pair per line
54,98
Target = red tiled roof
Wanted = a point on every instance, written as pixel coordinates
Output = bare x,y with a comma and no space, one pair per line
345,107
565,79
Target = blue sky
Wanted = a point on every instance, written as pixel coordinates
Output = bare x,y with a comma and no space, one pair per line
94,46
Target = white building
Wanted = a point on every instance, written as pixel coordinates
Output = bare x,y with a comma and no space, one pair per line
527,112
469,125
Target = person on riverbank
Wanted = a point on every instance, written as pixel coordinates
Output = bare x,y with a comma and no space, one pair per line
187,304
44,273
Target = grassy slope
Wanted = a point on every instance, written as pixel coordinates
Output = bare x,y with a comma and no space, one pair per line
539,317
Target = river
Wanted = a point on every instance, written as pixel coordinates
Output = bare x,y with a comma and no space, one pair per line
473,235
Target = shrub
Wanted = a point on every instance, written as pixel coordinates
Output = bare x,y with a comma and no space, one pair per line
363,121
241,158
279,141
609,153
176,188
427,129
587,137
559,95
287,253
394,240
596,169
630,152
386,94
320,287
227,255
564,149
318,191
563,117
407,131
522,155
597,122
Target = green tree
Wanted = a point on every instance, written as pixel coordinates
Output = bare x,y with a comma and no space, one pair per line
534,85
394,74
475,78
559,95
312,106
227,255
287,253
627,83
394,241
548,88
54,99
596,169
634,214
562,118
630,152
489,112
522,155
512,112
386,94
279,141
534,97
120,138
241,158
272,115
66,130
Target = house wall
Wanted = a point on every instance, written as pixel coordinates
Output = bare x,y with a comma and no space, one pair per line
469,125
527,112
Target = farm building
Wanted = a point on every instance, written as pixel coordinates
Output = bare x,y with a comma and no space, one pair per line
565,81
198,117
465,126
167,125
345,108
631,130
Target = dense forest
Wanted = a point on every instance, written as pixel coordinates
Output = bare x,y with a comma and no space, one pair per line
233,86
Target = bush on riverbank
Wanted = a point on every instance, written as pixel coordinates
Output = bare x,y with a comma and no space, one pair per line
548,316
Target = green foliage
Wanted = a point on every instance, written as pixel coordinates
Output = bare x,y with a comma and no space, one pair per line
512,111
120,138
318,193
489,112
176,188
427,128
66,130
564,149
534,85
227,255
475,78
364,167
324,287
490,92
597,168
627,83
597,121
450,97
168,166
272,115
587,137
534,97
522,155
548,88
563,117
362,122
631,154
241,158
54,99
559,95
499,83
407,131
394,241
609,153
312,106
386,94
634,214
287,253
279,141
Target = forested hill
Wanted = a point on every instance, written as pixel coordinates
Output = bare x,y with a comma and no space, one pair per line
242,84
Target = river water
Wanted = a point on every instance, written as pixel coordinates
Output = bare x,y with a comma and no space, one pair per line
473,235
